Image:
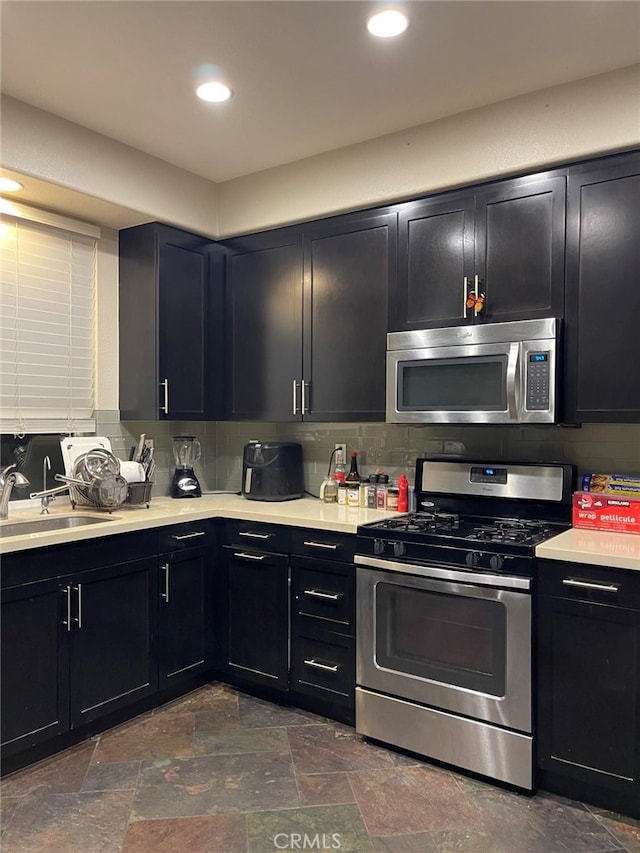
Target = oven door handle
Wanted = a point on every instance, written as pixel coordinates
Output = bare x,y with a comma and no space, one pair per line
475,578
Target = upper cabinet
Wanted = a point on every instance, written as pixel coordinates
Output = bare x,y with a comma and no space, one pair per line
492,254
168,317
603,294
307,320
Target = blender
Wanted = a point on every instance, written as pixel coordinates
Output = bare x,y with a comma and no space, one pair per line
186,452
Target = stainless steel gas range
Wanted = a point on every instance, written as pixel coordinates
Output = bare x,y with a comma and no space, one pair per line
444,630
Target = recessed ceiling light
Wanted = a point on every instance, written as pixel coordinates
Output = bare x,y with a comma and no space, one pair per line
214,92
8,185
386,24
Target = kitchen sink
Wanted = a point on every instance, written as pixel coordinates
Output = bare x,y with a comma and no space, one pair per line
37,525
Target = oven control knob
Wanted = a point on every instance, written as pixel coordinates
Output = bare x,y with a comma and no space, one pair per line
378,546
472,559
496,562
399,548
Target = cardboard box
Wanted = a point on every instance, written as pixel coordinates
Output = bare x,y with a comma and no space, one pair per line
593,511
614,484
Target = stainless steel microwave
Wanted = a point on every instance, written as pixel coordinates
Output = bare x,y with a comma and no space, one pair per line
496,373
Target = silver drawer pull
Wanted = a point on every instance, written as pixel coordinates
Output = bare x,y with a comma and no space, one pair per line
244,556
601,587
329,596
256,535
322,666
188,535
321,545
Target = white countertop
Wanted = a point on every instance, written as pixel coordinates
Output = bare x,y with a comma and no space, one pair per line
597,547
305,512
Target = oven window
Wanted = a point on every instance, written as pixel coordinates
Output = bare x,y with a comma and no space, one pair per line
453,639
474,383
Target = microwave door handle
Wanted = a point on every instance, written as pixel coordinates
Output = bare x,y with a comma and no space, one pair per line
513,396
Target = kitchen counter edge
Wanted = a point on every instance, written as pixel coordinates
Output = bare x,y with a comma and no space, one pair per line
595,547
304,512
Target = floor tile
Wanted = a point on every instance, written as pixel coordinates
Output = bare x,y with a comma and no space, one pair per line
319,827
7,807
107,776
324,789
235,740
258,713
211,834
625,830
151,737
63,773
405,800
330,748
214,696
68,823
215,784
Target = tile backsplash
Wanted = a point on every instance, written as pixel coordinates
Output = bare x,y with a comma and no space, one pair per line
601,447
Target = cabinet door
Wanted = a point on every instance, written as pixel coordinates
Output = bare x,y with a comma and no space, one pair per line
603,296
112,658
258,617
186,614
34,649
435,262
264,325
184,318
589,697
519,246
349,265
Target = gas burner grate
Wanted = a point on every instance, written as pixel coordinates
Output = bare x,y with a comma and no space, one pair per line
424,522
513,530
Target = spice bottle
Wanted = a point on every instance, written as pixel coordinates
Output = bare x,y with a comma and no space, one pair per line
372,490
392,498
403,493
381,492
342,493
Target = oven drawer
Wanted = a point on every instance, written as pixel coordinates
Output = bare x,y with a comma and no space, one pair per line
324,591
323,668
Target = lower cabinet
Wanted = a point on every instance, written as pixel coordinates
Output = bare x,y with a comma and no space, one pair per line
77,646
186,602
257,631
589,684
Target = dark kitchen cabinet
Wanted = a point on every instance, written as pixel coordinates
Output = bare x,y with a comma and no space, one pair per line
307,318
603,296
504,240
256,594
323,623
77,636
589,684
187,606
170,324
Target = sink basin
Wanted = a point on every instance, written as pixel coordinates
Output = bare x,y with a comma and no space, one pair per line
37,525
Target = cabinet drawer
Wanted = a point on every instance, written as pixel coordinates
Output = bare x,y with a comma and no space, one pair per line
324,591
265,537
323,543
324,668
178,537
583,582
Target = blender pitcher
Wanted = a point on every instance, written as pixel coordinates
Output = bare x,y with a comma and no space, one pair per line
186,452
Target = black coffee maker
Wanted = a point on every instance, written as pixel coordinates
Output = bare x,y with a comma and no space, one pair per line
186,452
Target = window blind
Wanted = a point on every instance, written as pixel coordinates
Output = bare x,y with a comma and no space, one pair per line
47,328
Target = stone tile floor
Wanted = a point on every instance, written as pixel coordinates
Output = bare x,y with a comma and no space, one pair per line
218,771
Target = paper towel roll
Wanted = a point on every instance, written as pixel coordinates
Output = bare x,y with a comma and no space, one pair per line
133,472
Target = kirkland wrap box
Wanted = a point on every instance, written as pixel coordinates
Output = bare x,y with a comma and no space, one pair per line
594,511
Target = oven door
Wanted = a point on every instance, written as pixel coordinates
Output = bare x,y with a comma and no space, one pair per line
446,642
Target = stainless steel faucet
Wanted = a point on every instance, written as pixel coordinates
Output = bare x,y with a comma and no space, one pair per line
8,479
46,499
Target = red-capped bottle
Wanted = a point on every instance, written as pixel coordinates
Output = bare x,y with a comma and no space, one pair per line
403,493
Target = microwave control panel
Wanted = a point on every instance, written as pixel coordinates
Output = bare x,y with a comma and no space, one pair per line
538,382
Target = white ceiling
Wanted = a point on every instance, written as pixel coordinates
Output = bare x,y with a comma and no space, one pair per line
307,76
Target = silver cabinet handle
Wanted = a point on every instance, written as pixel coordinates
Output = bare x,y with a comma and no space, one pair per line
305,408
465,294
244,556
256,535
476,287
322,666
78,620
314,593
67,592
295,397
321,545
179,537
165,408
165,568
601,587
